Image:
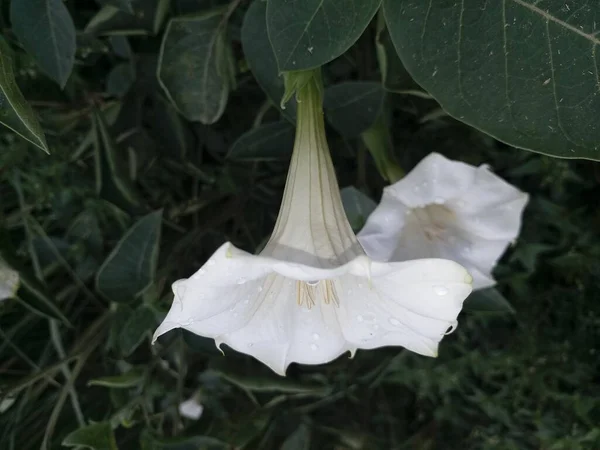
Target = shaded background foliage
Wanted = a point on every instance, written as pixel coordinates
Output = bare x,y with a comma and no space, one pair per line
168,139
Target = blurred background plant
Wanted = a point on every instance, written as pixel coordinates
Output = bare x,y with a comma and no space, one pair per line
163,145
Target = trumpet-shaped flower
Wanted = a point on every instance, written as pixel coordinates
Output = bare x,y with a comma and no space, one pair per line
446,209
312,293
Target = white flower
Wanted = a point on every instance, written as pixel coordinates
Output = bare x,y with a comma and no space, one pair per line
312,293
9,281
191,409
446,209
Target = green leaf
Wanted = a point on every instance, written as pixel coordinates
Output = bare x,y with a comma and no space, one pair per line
98,436
15,112
140,324
47,32
124,381
261,59
130,267
150,442
358,207
298,440
120,79
112,179
306,34
508,68
489,300
145,18
195,66
353,107
124,5
269,142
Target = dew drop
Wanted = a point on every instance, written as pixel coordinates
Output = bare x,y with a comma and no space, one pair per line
416,189
313,283
246,301
314,347
394,321
376,327
210,262
452,328
259,288
425,184
240,280
316,336
440,290
467,250
250,344
409,212
359,318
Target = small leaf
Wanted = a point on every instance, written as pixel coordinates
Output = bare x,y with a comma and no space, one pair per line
124,5
15,112
261,59
298,440
98,436
269,142
358,207
130,267
112,180
195,66
141,324
306,34
47,32
489,300
124,381
114,20
120,79
353,107
508,67
150,442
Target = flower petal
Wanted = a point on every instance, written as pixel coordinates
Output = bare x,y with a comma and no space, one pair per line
434,180
409,304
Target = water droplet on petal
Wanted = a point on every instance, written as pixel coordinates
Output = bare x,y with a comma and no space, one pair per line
250,344
409,212
313,283
359,318
260,288
440,290
394,321
316,336
467,250
314,347
416,189
210,262
452,328
240,280
425,184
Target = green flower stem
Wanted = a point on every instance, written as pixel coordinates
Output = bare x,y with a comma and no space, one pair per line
378,141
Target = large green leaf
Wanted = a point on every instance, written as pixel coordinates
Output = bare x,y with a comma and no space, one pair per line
353,107
269,142
524,71
15,112
261,59
306,34
46,30
358,207
98,436
131,266
195,66
140,324
488,300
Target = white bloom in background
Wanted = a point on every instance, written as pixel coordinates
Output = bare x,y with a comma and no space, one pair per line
191,409
9,281
312,293
446,209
